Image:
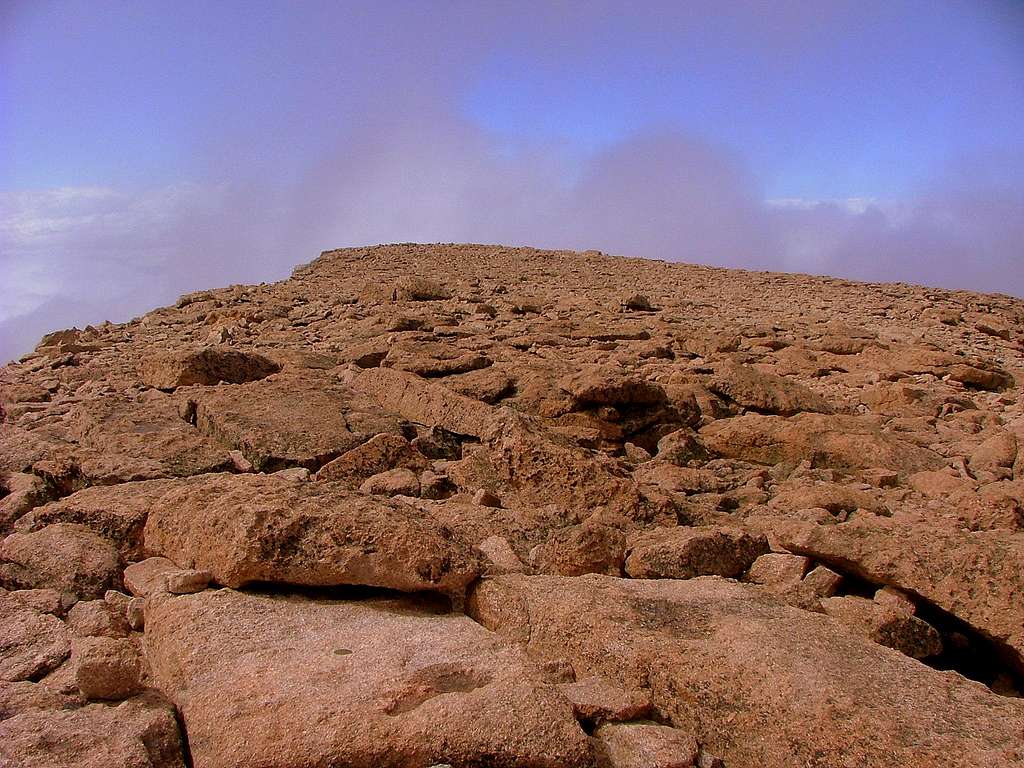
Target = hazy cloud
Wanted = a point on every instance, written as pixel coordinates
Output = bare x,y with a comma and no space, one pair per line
83,255
345,126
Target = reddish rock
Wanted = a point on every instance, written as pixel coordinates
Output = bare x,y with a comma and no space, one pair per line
62,556
597,700
392,482
765,392
539,422
778,569
211,365
844,442
290,420
117,513
95,618
646,745
759,684
893,628
31,643
139,733
187,582
424,402
684,553
378,454
976,576
539,467
106,668
389,684
19,493
433,359
148,577
251,528
586,548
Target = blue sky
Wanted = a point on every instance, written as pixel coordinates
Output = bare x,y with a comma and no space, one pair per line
147,147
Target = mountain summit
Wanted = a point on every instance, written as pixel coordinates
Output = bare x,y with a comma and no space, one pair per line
470,505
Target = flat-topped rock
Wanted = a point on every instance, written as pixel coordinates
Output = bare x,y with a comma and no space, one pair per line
759,684
290,421
207,366
387,683
265,528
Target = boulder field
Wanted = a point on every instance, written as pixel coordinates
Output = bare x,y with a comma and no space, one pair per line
422,506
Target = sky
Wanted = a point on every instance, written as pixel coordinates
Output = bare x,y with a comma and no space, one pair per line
149,148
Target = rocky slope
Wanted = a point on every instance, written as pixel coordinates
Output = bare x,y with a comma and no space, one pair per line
481,506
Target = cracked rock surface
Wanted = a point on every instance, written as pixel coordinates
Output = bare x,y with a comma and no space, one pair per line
466,505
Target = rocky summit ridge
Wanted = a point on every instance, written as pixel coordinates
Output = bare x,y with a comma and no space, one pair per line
466,505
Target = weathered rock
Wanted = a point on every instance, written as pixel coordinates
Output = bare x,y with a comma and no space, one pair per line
684,553
680,447
843,442
424,402
251,528
893,628
539,420
106,668
139,733
62,556
187,582
976,576
502,558
148,577
19,493
822,581
41,600
96,618
117,513
996,451
759,684
671,477
586,548
393,482
540,468
646,745
433,359
388,684
765,392
596,700
31,643
778,569
122,439
408,288
290,421
609,386
378,454
211,365
837,499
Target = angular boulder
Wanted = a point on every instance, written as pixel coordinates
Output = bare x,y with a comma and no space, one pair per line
208,366
252,528
62,556
840,442
424,402
977,576
290,682
759,684
32,643
765,392
139,733
684,553
290,421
